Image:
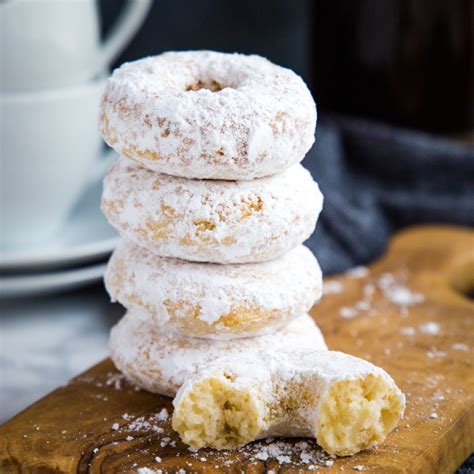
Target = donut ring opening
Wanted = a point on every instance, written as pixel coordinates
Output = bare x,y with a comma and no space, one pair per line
210,85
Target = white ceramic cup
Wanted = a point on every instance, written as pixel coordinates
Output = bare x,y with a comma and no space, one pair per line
50,149
45,44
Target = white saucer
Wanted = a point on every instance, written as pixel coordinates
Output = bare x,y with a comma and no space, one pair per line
86,236
50,282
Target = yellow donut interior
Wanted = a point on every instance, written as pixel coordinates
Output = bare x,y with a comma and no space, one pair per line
356,414
216,414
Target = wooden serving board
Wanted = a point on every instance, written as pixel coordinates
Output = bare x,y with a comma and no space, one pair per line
410,313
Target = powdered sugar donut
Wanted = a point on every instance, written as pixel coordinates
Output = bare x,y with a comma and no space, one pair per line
208,115
160,361
212,221
346,403
211,300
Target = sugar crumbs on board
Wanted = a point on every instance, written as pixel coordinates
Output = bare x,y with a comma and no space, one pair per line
332,287
393,289
398,293
151,423
364,305
357,272
430,328
303,454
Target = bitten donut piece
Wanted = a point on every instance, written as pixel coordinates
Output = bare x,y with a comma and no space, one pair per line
208,115
212,221
346,403
160,361
215,301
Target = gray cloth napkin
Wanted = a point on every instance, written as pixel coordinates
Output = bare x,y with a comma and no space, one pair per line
377,179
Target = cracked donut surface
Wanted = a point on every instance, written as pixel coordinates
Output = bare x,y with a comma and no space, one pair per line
208,115
215,301
346,403
212,221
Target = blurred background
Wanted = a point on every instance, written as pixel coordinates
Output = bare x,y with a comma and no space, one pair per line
394,84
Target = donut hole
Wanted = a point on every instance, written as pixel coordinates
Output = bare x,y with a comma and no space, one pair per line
214,413
357,414
208,84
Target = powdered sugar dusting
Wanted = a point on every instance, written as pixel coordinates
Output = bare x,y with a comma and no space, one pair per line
271,377
393,289
364,305
430,328
347,312
212,221
332,287
358,272
459,346
208,115
304,454
161,361
408,331
199,295
398,293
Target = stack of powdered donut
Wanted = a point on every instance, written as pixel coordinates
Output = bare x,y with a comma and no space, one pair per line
214,207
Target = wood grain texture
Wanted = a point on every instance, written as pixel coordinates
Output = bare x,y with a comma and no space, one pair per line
90,425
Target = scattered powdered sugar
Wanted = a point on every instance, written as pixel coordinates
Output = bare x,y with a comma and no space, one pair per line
302,453
435,353
392,289
459,346
162,415
115,379
151,423
112,379
398,293
358,272
407,331
430,328
348,312
361,306
332,287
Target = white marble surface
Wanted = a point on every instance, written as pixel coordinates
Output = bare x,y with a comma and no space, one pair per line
44,341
